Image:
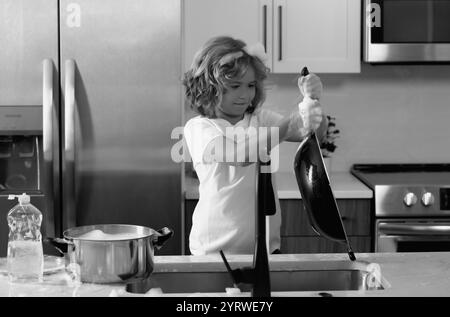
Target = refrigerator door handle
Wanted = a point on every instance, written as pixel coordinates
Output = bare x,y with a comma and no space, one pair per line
48,110
69,145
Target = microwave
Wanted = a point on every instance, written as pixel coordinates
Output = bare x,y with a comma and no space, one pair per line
406,31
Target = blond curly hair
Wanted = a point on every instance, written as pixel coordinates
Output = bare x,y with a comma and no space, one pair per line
206,80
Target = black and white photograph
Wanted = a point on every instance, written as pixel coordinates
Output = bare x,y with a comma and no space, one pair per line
225,155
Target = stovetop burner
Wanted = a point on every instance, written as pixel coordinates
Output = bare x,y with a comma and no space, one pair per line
403,174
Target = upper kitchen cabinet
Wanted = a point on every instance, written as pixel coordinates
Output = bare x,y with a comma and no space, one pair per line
204,19
321,34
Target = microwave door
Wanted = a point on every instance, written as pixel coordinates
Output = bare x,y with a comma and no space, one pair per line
406,31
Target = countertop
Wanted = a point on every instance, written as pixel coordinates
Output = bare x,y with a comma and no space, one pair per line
408,275
343,184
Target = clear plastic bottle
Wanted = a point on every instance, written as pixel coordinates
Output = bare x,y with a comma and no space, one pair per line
25,255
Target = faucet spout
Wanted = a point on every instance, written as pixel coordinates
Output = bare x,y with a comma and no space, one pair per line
259,274
265,205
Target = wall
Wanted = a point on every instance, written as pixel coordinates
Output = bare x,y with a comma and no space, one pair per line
386,114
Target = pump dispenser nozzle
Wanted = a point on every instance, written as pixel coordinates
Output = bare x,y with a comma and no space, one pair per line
23,199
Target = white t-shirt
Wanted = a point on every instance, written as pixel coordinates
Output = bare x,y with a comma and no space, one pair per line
224,218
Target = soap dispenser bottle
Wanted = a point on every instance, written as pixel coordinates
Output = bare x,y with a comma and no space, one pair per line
25,254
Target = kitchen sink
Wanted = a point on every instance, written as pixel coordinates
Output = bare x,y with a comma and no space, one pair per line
285,277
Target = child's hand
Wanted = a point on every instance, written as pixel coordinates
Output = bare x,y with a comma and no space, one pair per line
311,113
310,86
310,109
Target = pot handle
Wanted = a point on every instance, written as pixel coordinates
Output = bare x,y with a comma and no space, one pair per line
62,245
161,236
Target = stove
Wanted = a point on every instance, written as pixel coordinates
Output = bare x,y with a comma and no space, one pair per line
411,205
408,190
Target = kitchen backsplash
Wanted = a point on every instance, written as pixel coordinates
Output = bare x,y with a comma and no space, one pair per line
385,114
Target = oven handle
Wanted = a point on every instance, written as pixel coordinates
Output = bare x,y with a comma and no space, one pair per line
413,229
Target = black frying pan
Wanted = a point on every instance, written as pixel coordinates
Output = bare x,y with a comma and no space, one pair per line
317,196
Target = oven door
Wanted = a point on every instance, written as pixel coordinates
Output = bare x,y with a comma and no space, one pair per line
412,235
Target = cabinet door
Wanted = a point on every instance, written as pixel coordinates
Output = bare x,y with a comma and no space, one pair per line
323,35
297,235
355,215
248,20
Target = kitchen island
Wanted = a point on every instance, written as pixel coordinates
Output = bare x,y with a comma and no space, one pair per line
408,275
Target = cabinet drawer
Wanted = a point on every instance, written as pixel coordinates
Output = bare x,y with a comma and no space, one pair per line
355,213
318,244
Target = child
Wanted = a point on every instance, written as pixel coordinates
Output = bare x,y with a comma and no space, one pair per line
225,87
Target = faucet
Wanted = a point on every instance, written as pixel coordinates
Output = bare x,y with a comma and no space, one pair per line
259,274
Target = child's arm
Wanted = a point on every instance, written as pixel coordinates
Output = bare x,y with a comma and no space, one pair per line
242,150
245,149
293,130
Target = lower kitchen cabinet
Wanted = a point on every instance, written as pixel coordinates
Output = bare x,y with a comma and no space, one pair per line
297,235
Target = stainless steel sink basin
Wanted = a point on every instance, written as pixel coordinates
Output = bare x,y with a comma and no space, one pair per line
285,277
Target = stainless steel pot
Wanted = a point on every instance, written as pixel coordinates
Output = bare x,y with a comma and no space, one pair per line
124,254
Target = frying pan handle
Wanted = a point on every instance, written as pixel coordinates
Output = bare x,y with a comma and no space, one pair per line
161,236
304,72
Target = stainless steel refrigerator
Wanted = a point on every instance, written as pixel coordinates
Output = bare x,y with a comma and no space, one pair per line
95,86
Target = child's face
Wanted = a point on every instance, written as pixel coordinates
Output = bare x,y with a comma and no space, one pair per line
237,97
